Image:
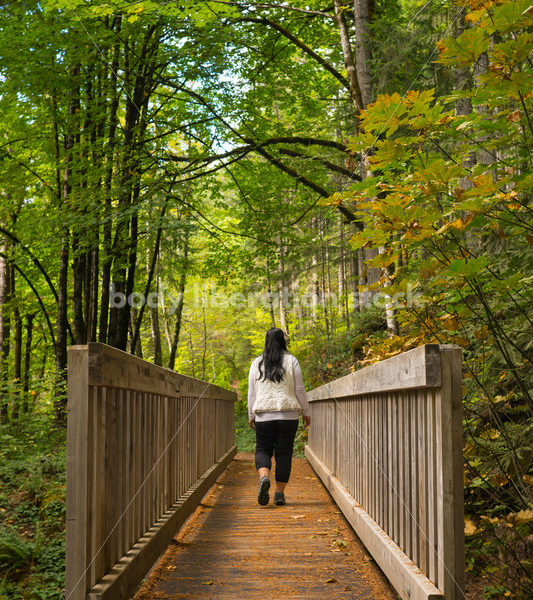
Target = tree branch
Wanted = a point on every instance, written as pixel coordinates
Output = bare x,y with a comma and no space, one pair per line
297,42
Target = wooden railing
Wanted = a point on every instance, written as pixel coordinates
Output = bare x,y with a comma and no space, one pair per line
144,444
387,442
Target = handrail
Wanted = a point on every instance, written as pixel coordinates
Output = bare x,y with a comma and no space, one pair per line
387,442
144,444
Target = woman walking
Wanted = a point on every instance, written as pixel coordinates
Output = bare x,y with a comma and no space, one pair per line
276,394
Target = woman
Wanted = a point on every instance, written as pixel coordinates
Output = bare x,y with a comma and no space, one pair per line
276,394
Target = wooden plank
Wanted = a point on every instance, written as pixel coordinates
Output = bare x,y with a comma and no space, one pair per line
416,368
403,574
115,368
125,576
76,500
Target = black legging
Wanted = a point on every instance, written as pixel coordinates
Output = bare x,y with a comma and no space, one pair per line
275,437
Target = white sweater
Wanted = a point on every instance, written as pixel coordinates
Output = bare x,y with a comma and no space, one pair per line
269,400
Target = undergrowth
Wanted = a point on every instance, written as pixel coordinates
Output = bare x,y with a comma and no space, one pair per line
32,510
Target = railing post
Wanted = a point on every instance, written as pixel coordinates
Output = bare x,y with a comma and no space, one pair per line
450,477
76,497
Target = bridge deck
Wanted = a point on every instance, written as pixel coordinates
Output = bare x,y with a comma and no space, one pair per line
234,548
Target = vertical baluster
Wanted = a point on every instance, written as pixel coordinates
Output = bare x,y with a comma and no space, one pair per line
91,476
360,450
121,459
422,480
99,523
379,452
415,473
431,493
401,470
130,491
407,471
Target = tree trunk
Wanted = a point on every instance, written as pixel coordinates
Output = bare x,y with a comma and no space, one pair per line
179,306
343,309
354,274
27,362
5,330
191,351
282,291
6,340
78,279
137,349
138,73
107,227
17,367
60,403
204,336
349,62
150,269
270,299
154,327
324,294
363,56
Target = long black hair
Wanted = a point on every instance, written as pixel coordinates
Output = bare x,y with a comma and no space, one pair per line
272,357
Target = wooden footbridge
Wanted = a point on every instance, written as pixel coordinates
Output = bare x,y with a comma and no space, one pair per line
153,478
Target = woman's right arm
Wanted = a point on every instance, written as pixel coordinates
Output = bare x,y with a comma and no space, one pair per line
251,398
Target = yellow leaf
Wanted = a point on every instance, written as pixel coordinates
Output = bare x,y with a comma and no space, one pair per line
514,116
527,479
524,516
463,342
470,528
207,582
450,323
481,334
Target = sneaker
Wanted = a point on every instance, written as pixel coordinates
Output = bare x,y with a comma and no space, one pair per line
264,486
279,498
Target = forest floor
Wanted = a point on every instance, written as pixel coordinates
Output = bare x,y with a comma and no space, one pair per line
32,509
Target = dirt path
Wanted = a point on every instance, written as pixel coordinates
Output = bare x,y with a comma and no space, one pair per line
234,548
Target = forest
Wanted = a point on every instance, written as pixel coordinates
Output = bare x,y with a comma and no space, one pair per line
177,177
